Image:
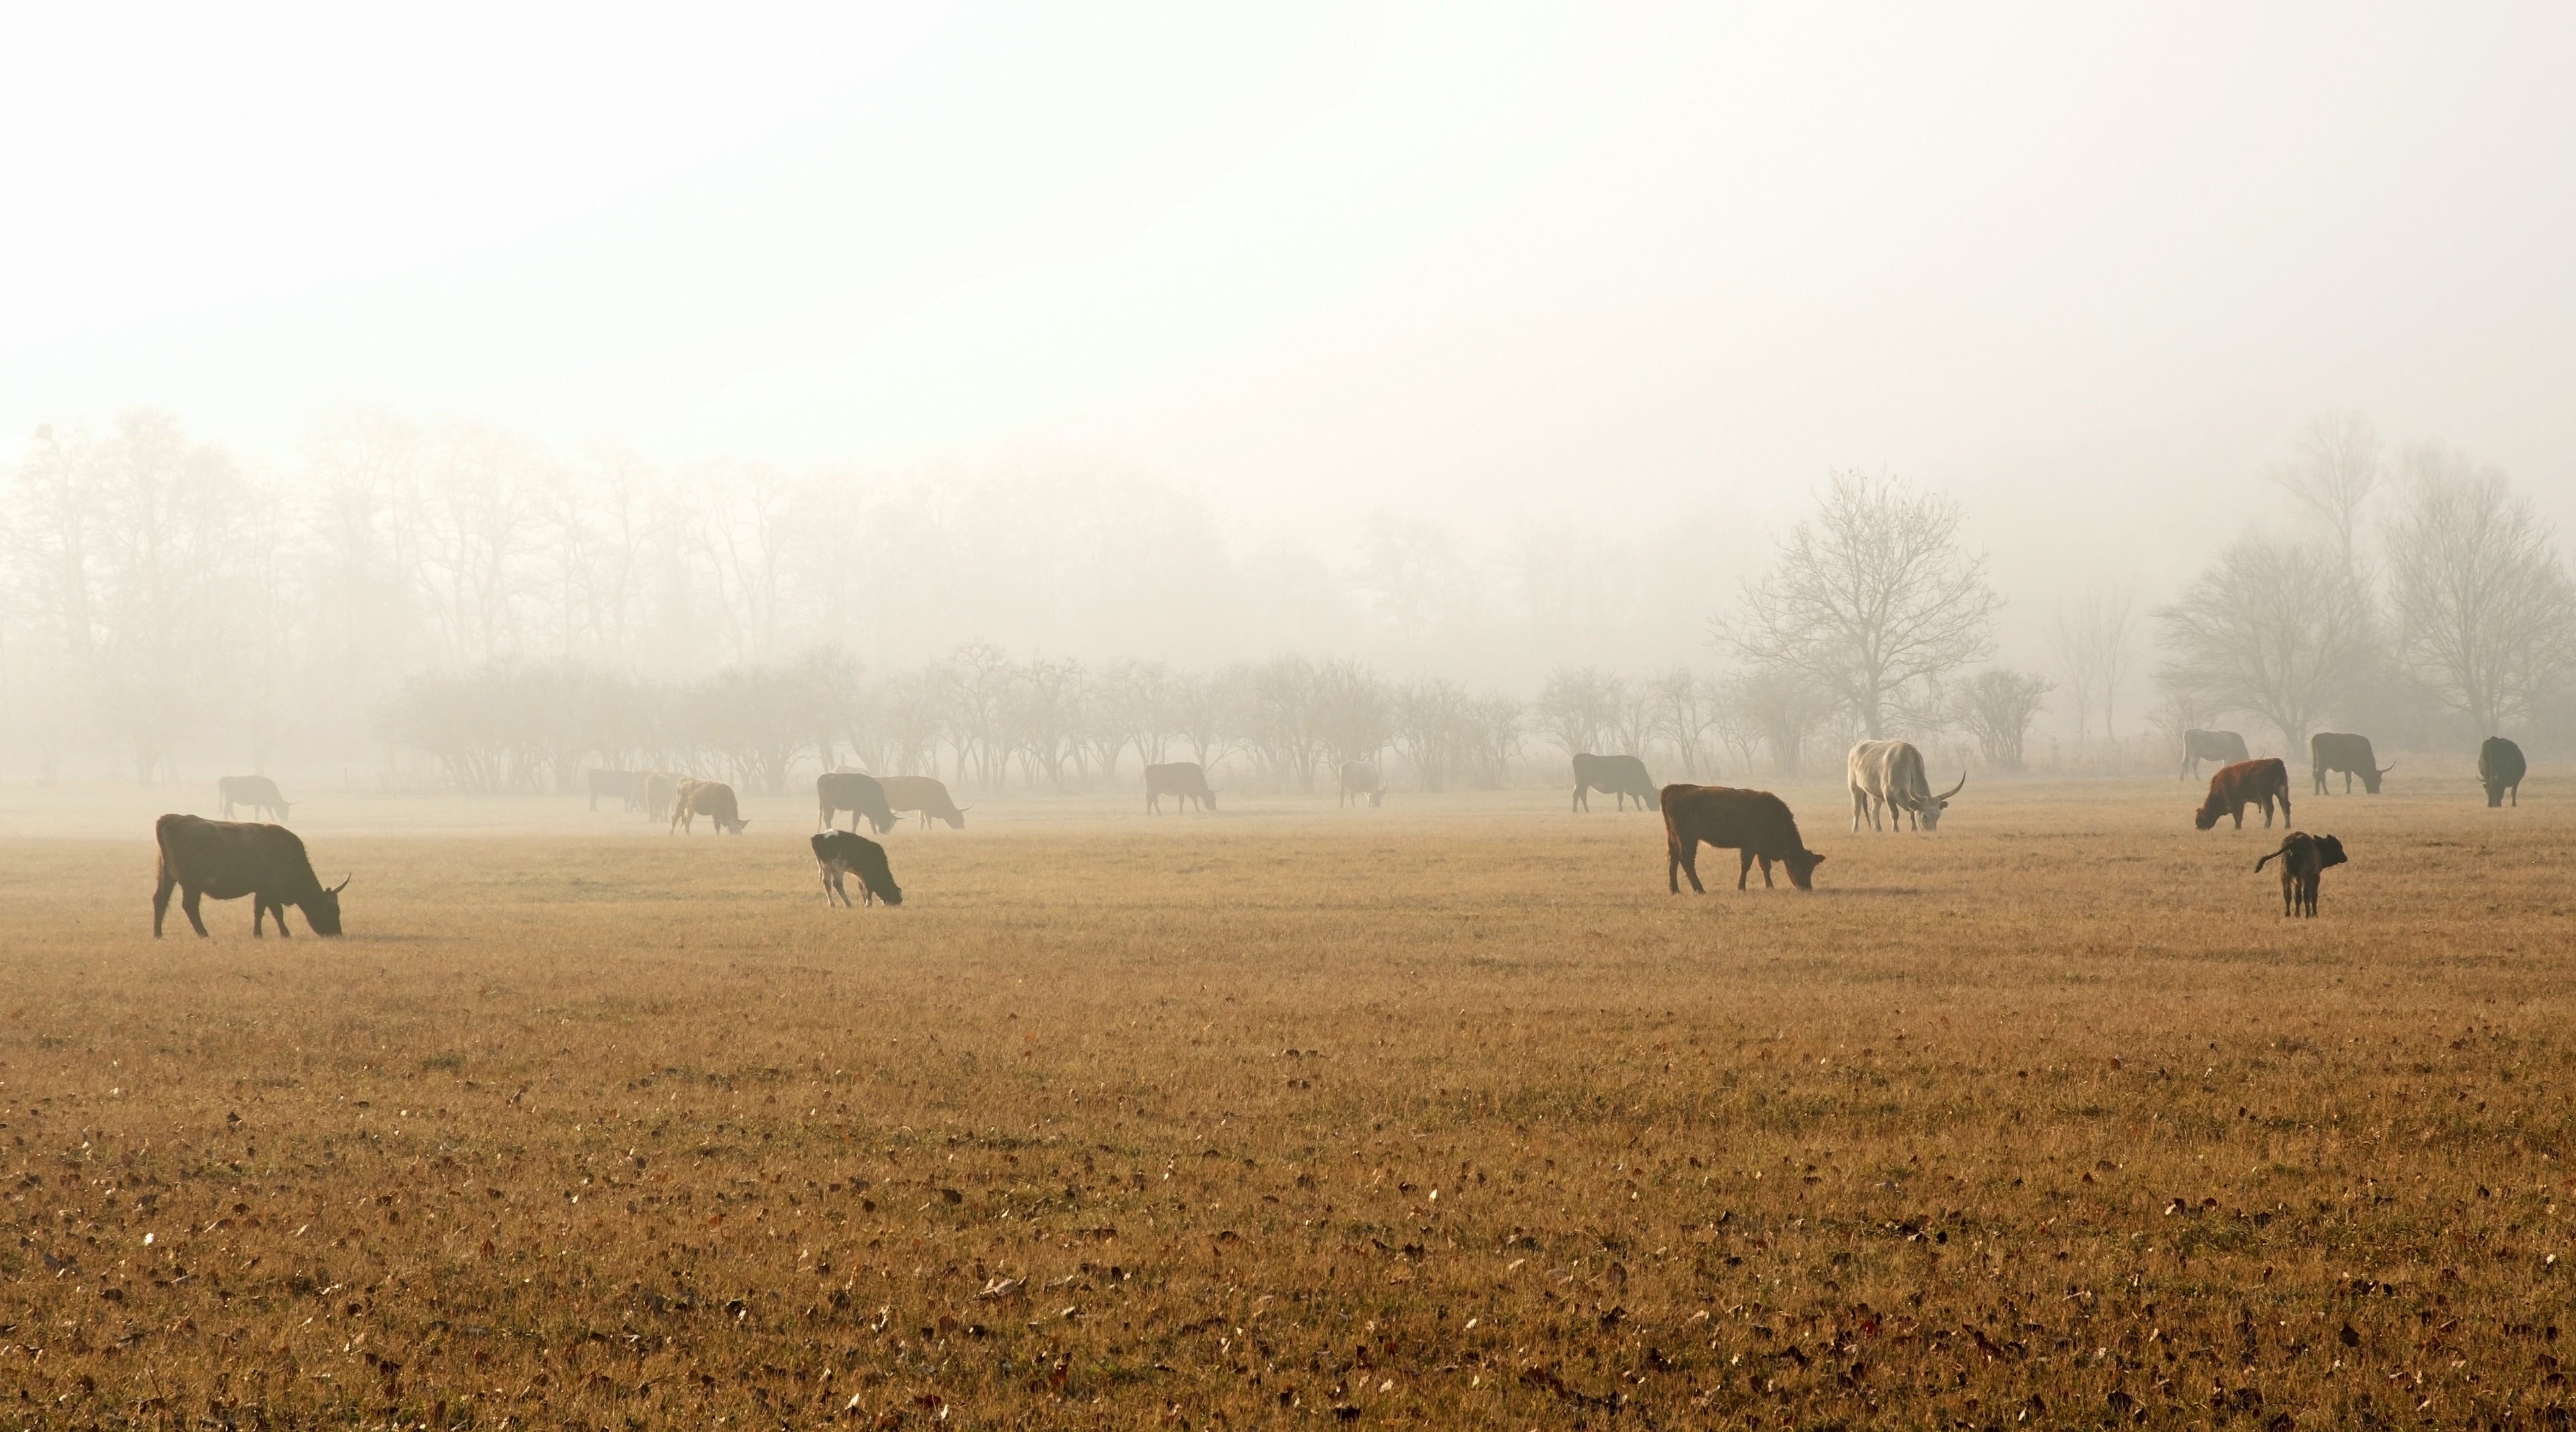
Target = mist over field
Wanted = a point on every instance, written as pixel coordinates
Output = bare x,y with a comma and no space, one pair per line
1025,397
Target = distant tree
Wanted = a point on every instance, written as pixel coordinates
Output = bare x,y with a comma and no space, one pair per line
1872,599
1997,706
1435,728
1779,705
2096,646
1577,708
2272,629
1685,706
2485,611
2335,463
1356,714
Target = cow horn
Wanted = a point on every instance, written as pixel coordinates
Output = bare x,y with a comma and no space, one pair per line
1954,790
344,882
2384,770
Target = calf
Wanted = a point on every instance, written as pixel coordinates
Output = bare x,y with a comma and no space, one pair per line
2245,783
838,852
2304,859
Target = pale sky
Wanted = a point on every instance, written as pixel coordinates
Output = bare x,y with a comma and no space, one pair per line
2086,267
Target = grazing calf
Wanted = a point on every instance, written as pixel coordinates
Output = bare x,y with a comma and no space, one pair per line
1757,825
838,852
2242,784
2304,859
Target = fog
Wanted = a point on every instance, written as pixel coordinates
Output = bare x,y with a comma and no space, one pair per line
360,373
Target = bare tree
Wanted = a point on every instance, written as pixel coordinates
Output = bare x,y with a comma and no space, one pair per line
1872,599
2335,463
2272,629
1577,708
1782,706
1685,709
2485,611
2096,647
1997,706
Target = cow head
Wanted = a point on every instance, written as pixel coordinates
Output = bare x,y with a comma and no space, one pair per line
1209,795
2370,777
2330,852
2206,818
733,827
1930,815
955,816
1802,867
1377,797
322,912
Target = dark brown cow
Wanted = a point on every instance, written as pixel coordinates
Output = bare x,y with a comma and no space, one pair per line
712,799
202,857
2500,769
257,792
2303,858
838,852
1183,781
2245,783
1755,824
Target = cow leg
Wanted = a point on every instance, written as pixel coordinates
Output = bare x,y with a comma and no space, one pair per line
1743,867
2289,890
161,903
1575,804
1766,874
277,911
259,912
188,899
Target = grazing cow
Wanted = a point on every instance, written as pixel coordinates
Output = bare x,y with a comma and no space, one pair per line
1183,781
926,795
661,788
1622,778
712,799
2330,751
2243,783
204,857
257,792
619,785
838,852
2500,769
1360,778
1890,774
860,795
1755,824
2303,858
2223,747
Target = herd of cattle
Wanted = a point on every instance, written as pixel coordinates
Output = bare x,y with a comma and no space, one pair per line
227,860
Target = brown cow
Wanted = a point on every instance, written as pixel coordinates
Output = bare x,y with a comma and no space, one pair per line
2245,783
712,799
2303,858
202,857
1757,825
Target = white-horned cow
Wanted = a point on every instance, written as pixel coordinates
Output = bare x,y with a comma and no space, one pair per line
1890,774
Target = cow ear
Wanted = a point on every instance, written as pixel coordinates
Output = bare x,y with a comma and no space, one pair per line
344,882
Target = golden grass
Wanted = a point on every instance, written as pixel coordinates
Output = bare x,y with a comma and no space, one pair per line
1444,1113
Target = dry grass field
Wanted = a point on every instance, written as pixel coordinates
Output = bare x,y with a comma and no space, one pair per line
1441,1114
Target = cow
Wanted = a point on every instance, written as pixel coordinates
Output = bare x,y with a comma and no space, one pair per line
860,795
619,785
1183,781
202,857
2223,747
2330,751
1890,774
2500,769
1360,778
660,789
1757,825
927,795
712,799
2304,858
1622,778
838,852
257,792
2242,783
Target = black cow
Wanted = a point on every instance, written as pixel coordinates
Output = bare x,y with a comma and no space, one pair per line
838,852
2330,751
1622,778
2303,858
857,793
202,857
2224,747
2500,769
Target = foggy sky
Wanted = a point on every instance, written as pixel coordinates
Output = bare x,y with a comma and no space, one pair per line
1488,263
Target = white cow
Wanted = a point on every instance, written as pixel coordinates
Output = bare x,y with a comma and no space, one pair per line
1890,773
